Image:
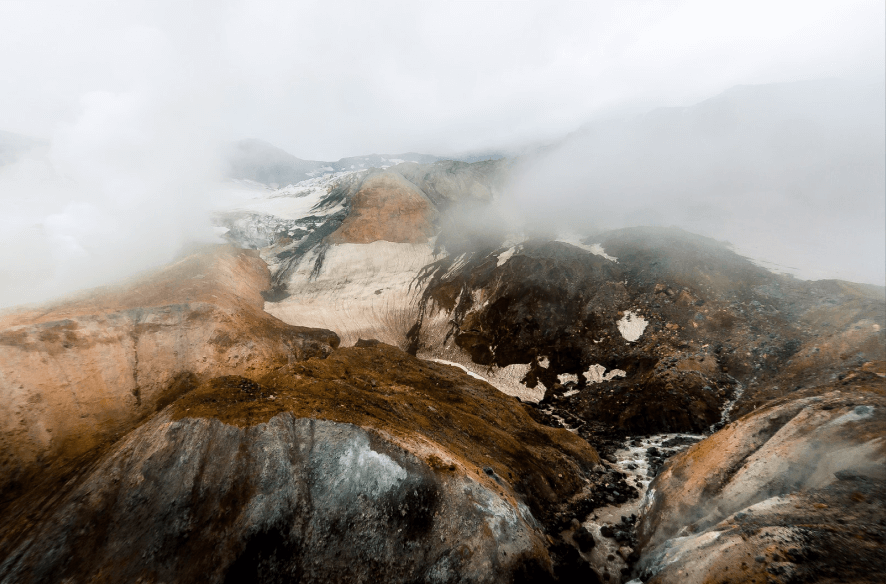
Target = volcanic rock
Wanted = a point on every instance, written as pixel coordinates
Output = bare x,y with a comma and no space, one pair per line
798,483
368,465
387,207
77,374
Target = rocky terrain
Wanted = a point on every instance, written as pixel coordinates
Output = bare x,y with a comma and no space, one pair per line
793,492
362,389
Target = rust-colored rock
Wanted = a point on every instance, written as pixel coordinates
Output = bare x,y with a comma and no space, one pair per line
77,374
390,208
792,492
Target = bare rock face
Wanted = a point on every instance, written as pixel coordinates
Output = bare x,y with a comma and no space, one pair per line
646,330
77,374
366,465
387,207
790,493
289,500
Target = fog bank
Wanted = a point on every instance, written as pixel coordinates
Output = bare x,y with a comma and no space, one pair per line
791,174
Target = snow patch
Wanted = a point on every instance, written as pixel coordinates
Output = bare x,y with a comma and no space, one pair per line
504,256
596,248
544,362
462,367
631,326
597,374
341,295
290,202
567,377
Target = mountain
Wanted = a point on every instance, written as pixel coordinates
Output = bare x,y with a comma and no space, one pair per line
379,379
264,163
792,174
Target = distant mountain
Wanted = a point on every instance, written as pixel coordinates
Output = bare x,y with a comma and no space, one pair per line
791,172
262,162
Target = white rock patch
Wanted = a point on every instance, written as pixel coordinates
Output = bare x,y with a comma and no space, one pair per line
631,326
597,374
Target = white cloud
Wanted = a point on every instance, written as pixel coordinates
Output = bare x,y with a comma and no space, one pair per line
135,97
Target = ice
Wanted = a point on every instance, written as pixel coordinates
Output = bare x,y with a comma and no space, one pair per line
504,256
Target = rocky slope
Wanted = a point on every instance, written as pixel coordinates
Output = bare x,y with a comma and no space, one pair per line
791,493
344,251
194,437
620,335
76,375
188,426
644,330
369,465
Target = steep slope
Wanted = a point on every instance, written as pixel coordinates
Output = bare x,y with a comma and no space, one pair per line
367,465
344,250
387,207
77,374
646,330
791,493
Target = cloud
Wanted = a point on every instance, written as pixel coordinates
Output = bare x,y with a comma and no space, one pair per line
134,98
120,188
793,174
328,79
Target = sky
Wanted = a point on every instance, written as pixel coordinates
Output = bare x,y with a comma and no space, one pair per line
134,100
325,80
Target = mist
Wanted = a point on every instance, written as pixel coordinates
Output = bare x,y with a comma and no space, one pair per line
792,175
116,118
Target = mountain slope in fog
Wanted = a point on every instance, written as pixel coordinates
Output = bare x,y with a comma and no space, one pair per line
189,426
793,174
264,163
626,332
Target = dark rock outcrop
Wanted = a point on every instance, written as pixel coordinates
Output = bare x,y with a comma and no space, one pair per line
288,500
720,332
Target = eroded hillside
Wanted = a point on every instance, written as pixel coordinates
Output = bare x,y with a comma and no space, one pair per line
502,408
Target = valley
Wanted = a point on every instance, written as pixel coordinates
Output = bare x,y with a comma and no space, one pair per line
358,387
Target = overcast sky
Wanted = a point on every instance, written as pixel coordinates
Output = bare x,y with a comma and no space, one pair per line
134,99
325,80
